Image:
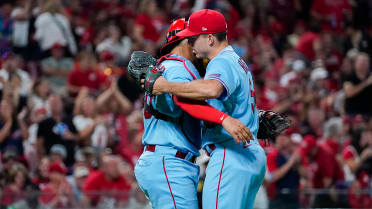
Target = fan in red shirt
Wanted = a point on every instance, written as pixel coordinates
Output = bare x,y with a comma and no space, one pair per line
148,25
106,188
309,45
357,157
325,168
86,74
331,13
57,193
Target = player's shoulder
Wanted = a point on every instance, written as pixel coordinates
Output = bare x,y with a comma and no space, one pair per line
179,65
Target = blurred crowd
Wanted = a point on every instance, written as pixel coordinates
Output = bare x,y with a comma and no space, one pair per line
71,120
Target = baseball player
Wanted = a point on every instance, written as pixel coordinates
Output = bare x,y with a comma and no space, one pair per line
166,172
235,172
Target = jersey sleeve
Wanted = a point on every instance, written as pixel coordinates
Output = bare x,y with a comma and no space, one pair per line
220,70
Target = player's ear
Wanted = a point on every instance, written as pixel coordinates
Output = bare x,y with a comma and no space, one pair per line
211,40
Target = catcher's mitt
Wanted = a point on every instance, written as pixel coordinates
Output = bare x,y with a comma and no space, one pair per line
140,63
271,124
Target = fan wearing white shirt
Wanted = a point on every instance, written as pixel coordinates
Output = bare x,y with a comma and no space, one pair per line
11,67
53,27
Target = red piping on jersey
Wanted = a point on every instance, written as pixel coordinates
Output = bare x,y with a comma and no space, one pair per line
219,181
181,60
165,172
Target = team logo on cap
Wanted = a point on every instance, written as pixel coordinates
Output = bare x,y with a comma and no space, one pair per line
204,29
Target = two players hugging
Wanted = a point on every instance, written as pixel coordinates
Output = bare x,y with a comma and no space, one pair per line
143,68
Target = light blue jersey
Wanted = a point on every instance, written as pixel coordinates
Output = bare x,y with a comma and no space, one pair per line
238,98
232,167
185,134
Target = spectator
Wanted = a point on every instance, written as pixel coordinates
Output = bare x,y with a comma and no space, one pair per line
38,101
58,153
17,181
53,27
31,201
8,158
106,188
56,68
116,107
13,130
108,67
332,14
326,171
57,193
90,125
314,118
357,39
147,27
6,21
11,64
362,170
86,74
332,135
57,129
283,173
21,16
358,88
355,154
309,45
77,181
41,178
117,44
38,109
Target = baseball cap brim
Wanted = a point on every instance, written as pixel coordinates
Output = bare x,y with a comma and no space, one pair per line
187,33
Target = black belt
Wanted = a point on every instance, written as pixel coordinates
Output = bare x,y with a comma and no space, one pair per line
212,147
179,154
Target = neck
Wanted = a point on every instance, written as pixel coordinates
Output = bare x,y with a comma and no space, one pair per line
217,49
183,51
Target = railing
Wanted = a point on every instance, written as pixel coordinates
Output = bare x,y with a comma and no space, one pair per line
307,198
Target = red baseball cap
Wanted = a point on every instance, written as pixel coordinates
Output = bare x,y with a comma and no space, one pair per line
308,143
204,21
57,45
57,167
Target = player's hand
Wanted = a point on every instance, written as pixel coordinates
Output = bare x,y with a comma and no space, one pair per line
157,88
237,130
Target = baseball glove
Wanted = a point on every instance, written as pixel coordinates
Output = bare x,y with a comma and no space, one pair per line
271,124
140,63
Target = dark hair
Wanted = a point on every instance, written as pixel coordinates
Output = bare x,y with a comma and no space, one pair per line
220,36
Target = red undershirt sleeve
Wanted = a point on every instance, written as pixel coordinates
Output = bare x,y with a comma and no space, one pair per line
200,110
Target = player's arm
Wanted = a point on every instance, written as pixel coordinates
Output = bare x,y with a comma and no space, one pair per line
197,89
203,111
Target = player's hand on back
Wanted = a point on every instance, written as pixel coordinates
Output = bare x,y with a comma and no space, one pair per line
237,130
156,88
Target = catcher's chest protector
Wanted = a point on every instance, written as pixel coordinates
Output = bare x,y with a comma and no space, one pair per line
148,108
